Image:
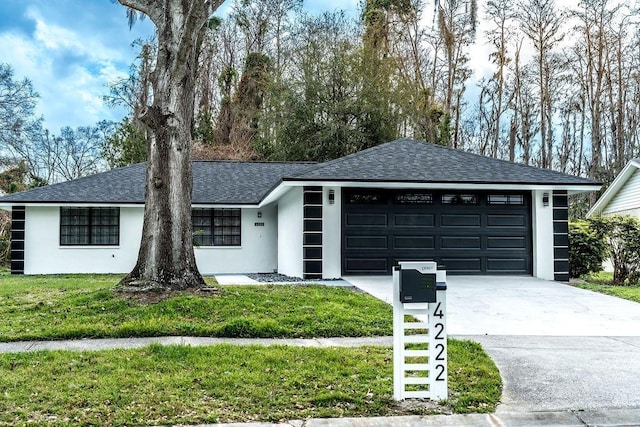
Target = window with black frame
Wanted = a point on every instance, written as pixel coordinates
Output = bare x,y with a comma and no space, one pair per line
89,226
216,227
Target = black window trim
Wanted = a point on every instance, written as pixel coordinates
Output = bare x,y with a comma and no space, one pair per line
90,210
212,215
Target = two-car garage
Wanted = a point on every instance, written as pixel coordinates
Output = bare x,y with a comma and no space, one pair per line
465,232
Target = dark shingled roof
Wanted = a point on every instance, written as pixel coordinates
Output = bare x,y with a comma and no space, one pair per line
404,160
407,160
213,183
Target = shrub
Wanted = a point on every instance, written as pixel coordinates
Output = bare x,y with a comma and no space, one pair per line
586,249
5,238
622,240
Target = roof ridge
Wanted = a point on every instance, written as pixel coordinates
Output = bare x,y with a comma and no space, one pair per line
252,162
471,153
344,158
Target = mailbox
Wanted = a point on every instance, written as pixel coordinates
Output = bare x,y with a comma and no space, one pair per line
417,287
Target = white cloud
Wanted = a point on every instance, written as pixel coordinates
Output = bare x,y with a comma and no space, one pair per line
69,67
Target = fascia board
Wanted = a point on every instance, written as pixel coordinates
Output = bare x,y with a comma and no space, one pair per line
73,204
8,206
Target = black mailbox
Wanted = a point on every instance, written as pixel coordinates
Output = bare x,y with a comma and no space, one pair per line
417,287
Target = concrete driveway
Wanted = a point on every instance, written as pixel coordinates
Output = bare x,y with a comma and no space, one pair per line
557,347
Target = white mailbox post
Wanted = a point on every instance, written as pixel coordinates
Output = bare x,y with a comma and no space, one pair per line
419,347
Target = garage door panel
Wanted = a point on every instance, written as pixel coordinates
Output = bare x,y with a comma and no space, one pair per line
480,239
460,220
366,242
506,242
414,242
367,219
414,220
502,220
507,265
460,242
462,265
367,265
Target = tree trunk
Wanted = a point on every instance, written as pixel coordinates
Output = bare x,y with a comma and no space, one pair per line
166,258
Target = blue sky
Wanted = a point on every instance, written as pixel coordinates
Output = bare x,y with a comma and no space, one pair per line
72,49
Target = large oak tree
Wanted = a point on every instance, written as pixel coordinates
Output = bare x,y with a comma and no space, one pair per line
166,259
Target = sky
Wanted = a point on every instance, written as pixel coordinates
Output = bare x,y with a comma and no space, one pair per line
72,49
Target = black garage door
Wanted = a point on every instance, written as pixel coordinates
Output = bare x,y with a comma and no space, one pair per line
464,232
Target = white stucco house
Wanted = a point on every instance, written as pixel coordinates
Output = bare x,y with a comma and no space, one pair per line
623,195
360,214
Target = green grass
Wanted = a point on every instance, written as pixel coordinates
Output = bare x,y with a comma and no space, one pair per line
223,383
84,306
600,282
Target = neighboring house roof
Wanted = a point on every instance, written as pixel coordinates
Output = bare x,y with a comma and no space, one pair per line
215,182
407,160
223,182
630,173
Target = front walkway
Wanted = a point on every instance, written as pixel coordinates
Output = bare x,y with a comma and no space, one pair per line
111,343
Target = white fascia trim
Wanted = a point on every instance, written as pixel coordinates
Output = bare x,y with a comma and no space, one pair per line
613,189
285,185
7,206
223,206
70,204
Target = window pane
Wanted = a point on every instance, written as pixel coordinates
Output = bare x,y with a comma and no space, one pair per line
74,226
459,199
202,221
365,197
413,198
497,199
105,226
505,199
227,227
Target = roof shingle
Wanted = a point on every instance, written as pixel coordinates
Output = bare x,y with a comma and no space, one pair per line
213,183
407,160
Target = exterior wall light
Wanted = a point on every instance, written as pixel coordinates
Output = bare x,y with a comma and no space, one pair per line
332,197
259,214
545,199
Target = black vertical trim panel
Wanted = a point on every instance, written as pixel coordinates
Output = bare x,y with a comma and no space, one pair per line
560,236
18,218
312,233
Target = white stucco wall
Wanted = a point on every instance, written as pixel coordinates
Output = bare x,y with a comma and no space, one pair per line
290,228
542,235
332,234
257,253
44,255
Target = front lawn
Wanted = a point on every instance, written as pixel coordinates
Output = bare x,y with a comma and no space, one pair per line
85,306
223,383
600,282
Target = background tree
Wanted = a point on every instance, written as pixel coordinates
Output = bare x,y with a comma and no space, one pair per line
541,23
166,259
500,13
125,144
19,126
457,21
